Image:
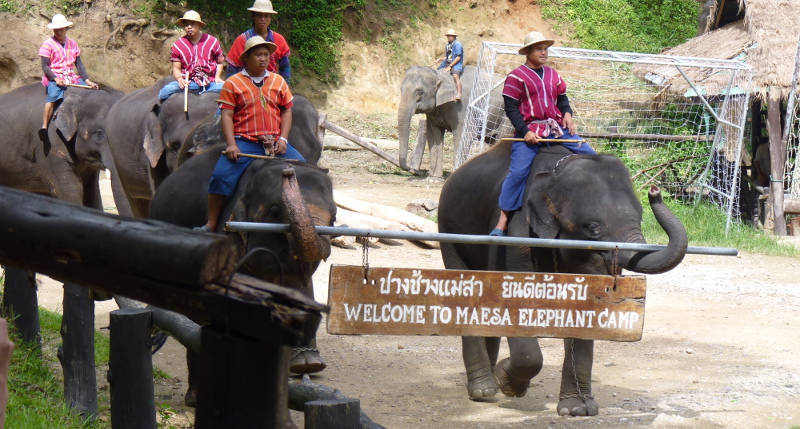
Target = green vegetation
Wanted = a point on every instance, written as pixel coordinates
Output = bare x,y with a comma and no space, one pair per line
705,225
36,392
624,25
9,6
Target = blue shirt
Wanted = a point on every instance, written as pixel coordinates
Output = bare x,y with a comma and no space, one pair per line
451,51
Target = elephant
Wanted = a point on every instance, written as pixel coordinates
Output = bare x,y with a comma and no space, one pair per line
68,163
432,92
145,137
291,258
567,196
303,136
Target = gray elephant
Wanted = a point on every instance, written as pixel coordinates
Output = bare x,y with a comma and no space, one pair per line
290,259
145,138
68,163
575,197
303,136
427,91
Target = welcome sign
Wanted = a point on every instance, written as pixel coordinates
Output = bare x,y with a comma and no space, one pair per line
406,301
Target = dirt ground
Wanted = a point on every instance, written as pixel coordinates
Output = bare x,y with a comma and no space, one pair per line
718,349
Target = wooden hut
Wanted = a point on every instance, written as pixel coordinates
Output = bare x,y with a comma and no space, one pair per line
763,34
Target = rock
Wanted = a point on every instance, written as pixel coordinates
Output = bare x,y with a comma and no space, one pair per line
422,207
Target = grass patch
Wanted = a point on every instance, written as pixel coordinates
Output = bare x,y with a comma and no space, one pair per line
705,226
36,388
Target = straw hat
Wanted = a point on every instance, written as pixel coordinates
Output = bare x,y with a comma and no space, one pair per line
451,32
533,38
263,6
191,15
253,42
59,21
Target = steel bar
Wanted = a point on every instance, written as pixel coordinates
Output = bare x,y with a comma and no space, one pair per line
477,239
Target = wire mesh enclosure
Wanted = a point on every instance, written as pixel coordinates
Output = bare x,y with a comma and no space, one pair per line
676,122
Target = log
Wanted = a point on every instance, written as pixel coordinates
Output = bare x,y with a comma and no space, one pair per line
71,243
178,326
365,144
360,220
302,391
77,352
21,302
333,414
130,369
791,206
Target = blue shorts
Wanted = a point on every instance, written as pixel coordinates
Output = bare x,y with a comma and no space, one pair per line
175,87
227,172
55,92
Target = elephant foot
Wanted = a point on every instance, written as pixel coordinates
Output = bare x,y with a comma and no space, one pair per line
190,399
435,179
577,405
515,388
306,361
481,385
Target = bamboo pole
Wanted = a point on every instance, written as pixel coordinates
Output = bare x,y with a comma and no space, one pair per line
75,85
247,155
186,95
511,139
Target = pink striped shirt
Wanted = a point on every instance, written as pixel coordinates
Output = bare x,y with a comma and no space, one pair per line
62,59
256,111
199,60
537,95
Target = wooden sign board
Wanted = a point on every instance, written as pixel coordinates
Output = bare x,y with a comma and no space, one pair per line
405,301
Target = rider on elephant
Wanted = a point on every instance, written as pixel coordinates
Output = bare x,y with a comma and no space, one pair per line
536,103
60,57
196,59
261,15
256,120
453,60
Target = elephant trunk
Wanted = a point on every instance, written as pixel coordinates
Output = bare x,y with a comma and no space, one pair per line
309,246
663,260
404,114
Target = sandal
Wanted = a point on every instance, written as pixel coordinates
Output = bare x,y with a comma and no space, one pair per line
306,361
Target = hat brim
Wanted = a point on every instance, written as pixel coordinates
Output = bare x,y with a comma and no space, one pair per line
523,50
272,48
61,25
451,34
182,20
252,9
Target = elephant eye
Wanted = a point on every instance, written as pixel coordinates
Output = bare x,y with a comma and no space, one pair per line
99,135
176,146
592,229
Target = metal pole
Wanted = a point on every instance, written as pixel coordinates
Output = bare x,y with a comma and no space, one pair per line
477,239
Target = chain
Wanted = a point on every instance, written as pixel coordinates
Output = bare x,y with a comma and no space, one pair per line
615,269
365,255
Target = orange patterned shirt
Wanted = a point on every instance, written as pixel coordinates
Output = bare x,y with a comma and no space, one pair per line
256,111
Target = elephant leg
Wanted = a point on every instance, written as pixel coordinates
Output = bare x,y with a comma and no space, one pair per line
576,397
193,366
436,148
307,360
480,380
513,374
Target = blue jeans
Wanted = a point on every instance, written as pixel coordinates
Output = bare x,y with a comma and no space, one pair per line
55,92
522,155
227,172
175,87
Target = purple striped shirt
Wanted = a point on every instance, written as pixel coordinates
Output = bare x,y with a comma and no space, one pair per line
537,95
62,59
199,60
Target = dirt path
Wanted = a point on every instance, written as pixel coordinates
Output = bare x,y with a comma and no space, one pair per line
718,349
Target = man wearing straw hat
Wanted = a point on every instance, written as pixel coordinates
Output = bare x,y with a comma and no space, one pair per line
261,16
60,57
453,60
196,59
536,103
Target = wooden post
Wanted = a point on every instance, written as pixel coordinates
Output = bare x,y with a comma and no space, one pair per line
21,302
243,383
777,153
333,414
77,351
419,148
130,370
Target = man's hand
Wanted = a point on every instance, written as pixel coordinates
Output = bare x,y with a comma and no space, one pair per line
61,82
181,81
531,138
232,152
279,147
92,84
569,123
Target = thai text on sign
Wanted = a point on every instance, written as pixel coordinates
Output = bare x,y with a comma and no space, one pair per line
404,301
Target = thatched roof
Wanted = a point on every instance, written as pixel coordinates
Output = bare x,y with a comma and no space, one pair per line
766,40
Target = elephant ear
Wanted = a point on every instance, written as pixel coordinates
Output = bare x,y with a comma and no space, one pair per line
445,88
153,141
540,209
66,121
